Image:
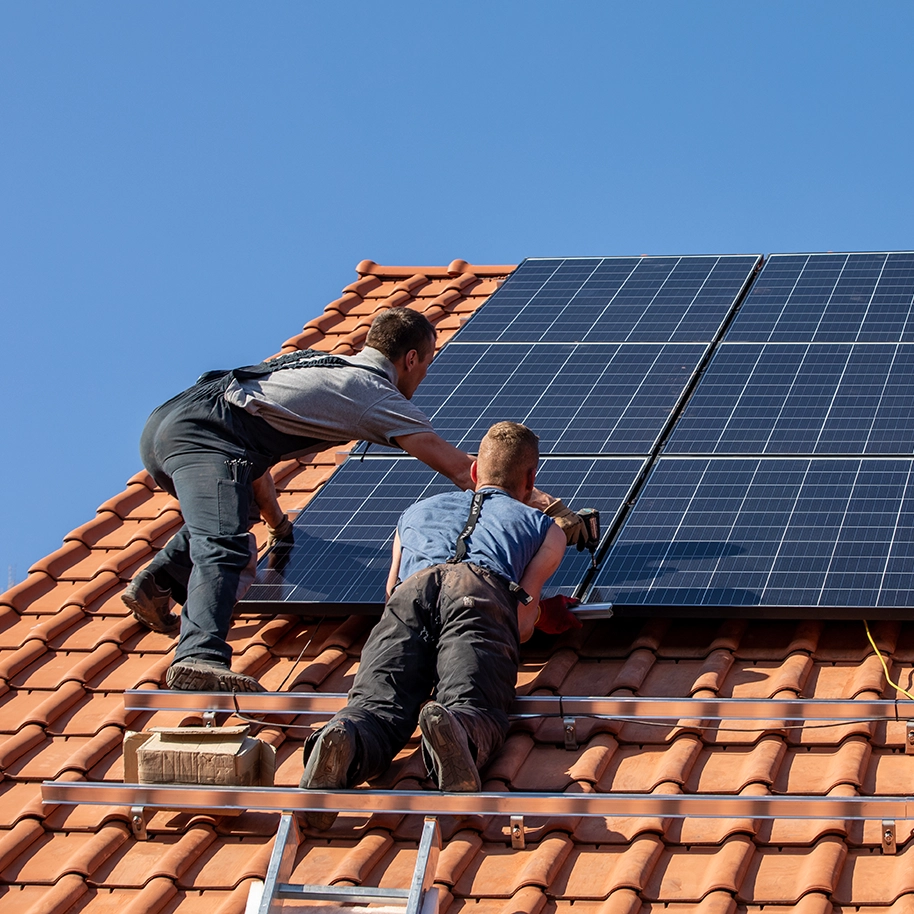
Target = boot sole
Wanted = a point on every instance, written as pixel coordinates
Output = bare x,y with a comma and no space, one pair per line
150,617
457,772
185,677
328,772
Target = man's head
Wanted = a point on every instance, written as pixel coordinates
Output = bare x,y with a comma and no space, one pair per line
407,338
508,456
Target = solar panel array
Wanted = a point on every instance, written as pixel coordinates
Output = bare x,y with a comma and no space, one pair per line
750,452
595,354
785,481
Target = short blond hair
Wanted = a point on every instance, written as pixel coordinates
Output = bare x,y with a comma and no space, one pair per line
506,454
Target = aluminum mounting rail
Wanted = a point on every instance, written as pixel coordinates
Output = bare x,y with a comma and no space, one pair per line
323,704
225,800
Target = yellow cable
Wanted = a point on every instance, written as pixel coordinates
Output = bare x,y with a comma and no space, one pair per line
885,669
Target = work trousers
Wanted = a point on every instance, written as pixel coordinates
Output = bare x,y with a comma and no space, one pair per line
208,453
451,629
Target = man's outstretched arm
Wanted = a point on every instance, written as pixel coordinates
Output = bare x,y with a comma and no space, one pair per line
440,455
541,567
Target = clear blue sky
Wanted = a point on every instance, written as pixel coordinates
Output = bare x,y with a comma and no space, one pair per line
184,184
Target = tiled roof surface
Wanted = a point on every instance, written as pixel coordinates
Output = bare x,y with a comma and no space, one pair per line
68,650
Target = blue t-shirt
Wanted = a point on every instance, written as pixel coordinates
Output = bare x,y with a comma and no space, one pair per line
507,534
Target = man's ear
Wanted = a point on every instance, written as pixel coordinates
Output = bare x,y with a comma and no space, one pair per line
411,359
474,473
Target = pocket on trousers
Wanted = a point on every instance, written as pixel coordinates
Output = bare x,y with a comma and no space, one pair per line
234,507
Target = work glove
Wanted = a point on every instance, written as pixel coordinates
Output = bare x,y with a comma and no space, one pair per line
555,615
573,527
279,544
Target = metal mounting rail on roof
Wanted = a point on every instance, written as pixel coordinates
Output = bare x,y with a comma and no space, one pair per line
320,704
222,800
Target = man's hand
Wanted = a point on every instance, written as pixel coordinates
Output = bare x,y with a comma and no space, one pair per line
573,527
555,615
279,544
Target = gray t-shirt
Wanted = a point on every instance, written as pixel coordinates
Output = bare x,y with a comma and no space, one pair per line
333,403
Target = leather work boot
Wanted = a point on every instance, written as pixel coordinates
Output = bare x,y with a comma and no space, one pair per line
327,768
445,742
149,603
206,676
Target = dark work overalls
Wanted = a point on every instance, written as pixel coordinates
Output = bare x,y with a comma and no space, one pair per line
451,628
207,453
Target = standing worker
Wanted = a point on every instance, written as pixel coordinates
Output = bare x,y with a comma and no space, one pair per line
463,592
212,446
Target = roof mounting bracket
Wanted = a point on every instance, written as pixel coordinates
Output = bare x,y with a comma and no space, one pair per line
269,896
209,718
571,733
888,837
138,822
909,737
518,839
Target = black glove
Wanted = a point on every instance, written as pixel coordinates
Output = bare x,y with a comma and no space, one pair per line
555,616
279,544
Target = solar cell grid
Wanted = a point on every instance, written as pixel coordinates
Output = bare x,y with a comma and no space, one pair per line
586,399
801,399
649,299
829,298
343,540
801,533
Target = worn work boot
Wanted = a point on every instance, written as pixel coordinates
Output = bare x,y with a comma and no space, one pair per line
149,603
206,676
327,767
445,742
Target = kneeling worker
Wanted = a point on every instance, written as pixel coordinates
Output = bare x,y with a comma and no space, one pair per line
463,592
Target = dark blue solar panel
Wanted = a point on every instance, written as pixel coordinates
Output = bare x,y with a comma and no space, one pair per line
829,298
613,299
767,532
802,399
585,399
343,540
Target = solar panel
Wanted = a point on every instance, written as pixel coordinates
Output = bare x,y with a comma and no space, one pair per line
802,399
766,533
828,298
580,399
613,299
343,540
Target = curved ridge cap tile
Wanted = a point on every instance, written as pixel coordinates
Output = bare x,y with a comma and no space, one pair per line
412,283
546,861
35,586
181,855
363,285
61,896
714,671
807,636
461,281
92,531
98,585
71,614
56,704
61,559
110,737
554,672
152,898
791,675
356,866
595,759
142,478
457,854
91,855
307,339
869,677
125,558
456,267
19,744
18,660
634,671
127,501
93,663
